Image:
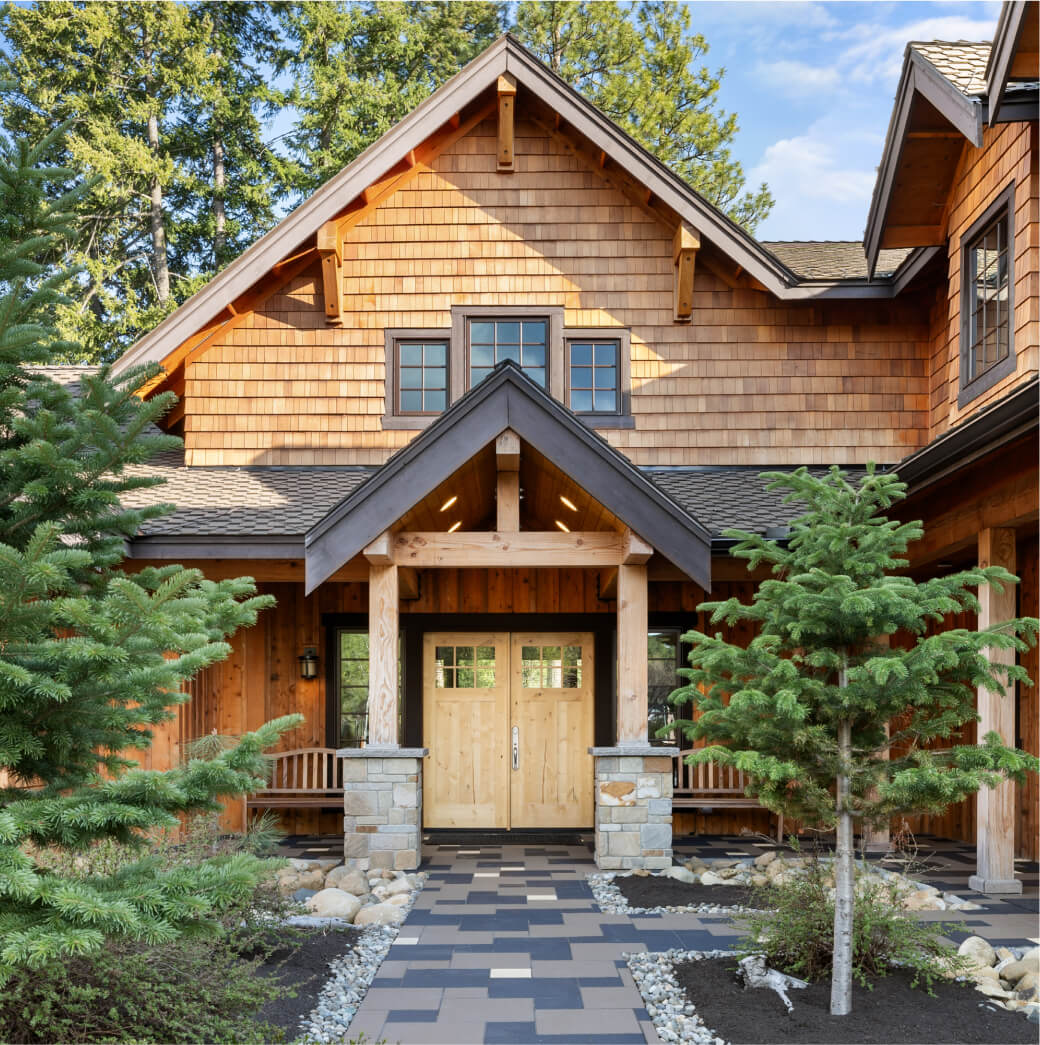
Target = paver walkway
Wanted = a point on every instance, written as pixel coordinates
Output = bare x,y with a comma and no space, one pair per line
506,944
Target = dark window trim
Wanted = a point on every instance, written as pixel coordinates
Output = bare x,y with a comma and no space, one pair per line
969,391
622,417
662,620
459,364
393,418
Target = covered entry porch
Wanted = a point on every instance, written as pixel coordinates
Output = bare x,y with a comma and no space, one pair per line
511,719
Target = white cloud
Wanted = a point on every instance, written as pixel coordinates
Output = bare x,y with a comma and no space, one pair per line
821,180
795,78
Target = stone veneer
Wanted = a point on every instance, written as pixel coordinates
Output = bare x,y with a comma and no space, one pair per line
633,807
382,807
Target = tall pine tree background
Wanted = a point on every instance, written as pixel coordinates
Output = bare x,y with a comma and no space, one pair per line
91,656
835,725
198,125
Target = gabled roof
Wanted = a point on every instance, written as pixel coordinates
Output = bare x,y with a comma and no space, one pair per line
833,259
508,399
213,304
934,114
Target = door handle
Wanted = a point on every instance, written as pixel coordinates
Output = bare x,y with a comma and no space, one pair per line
516,747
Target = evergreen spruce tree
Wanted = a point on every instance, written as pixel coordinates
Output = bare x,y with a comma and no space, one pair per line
803,710
91,657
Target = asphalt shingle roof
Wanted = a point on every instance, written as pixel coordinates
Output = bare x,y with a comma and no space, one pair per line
962,62
833,259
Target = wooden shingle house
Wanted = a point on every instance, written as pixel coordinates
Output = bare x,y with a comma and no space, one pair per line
477,411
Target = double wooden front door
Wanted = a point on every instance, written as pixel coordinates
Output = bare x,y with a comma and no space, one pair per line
508,721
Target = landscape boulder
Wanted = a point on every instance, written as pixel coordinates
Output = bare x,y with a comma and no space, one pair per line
334,903
380,914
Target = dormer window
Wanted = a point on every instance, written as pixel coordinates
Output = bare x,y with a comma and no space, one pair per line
986,301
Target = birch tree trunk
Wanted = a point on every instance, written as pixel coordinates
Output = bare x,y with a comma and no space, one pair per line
160,262
844,877
219,214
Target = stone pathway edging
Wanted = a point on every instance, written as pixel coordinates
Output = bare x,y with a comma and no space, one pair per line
675,1018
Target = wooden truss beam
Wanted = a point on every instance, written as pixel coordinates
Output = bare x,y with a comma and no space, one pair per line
507,482
502,550
506,111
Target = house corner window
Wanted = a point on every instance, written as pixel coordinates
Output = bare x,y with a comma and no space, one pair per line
664,658
594,382
524,341
421,376
986,301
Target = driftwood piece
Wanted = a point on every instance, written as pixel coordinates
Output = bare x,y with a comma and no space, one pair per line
753,972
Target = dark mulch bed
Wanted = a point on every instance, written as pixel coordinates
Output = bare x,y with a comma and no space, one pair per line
890,1014
651,891
303,966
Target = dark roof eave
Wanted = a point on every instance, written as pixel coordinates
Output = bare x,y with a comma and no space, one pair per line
217,546
1005,420
1002,56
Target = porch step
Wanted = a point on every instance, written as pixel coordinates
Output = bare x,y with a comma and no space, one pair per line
480,839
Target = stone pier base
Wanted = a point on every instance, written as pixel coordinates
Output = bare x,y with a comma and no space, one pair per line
633,807
382,807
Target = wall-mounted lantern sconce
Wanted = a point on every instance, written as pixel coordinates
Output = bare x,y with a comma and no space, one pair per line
309,663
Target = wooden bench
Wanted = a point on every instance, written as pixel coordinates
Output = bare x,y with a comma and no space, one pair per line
308,778
711,786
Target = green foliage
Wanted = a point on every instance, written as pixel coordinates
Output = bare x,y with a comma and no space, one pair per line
92,657
792,926
819,659
642,65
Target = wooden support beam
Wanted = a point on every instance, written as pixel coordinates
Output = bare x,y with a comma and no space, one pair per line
506,111
382,656
912,236
995,818
507,451
634,550
507,502
684,255
498,550
632,675
380,552
330,250
409,584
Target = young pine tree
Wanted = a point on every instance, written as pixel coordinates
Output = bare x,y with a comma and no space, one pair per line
91,657
805,707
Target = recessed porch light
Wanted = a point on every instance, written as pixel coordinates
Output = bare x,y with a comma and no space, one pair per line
448,503
563,526
568,503
454,526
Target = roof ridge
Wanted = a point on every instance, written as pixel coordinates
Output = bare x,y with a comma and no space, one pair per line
951,43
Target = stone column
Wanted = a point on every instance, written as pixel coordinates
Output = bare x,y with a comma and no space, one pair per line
382,807
633,806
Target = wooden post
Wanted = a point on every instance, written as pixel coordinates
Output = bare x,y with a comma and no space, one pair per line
995,838
631,649
331,253
507,493
382,656
684,256
877,839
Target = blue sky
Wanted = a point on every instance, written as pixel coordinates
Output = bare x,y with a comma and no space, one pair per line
813,85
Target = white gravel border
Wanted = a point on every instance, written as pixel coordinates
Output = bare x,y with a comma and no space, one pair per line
675,1018
612,900
349,980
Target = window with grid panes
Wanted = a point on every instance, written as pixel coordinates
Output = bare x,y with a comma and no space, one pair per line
664,658
492,341
352,695
422,377
594,380
987,298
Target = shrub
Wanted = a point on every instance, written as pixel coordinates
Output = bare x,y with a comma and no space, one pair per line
794,927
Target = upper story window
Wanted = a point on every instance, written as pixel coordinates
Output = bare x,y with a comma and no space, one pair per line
588,369
422,376
594,377
986,300
525,341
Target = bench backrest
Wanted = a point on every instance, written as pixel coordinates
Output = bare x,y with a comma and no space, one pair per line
708,778
309,769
